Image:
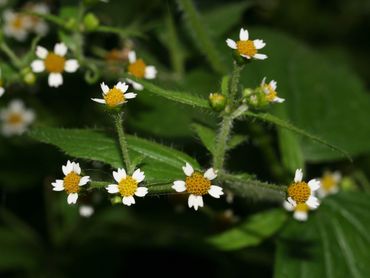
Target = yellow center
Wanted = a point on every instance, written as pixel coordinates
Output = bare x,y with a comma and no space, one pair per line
197,184
299,192
246,48
54,63
328,182
17,23
127,187
271,95
15,118
71,182
114,97
137,68
302,207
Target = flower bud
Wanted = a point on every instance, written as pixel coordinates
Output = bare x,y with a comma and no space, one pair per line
247,92
91,22
116,200
29,78
217,101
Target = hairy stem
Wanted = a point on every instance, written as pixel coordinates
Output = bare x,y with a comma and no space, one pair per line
235,83
12,56
118,121
221,143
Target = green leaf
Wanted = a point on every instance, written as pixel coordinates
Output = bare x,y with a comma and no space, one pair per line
250,232
236,140
201,35
284,124
323,96
333,243
221,19
206,135
291,152
161,163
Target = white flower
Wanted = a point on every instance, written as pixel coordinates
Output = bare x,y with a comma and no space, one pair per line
128,186
71,182
247,48
139,69
16,25
301,192
197,184
135,85
115,96
300,210
270,91
54,63
86,211
329,184
16,118
2,91
38,25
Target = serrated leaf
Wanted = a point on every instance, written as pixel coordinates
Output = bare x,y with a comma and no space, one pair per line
250,232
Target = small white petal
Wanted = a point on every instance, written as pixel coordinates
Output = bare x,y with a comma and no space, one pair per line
188,170
98,100
300,215
104,88
128,201
245,56
231,43
86,211
122,86
72,198
130,95
298,175
313,202
132,57
292,202
314,184
279,100
288,206
243,34
38,66
71,65
2,91
76,168
260,56
138,175
119,175
273,84
55,80
198,202
112,188
215,191
41,52
137,86
60,49
258,44
84,180
58,185
141,191
179,186
210,174
150,72
68,168
263,82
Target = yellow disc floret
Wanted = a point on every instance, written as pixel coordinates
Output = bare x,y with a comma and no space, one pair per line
71,183
328,182
246,48
197,184
17,22
15,118
137,68
54,63
114,97
127,186
299,192
302,207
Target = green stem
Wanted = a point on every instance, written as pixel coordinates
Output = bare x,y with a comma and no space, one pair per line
118,121
235,82
221,145
12,56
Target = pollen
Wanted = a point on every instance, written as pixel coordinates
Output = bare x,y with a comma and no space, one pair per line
114,97
302,207
137,68
299,192
197,184
15,118
328,182
71,183
54,63
246,48
127,187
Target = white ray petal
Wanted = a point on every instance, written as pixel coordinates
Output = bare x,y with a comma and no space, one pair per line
300,215
84,180
60,49
135,85
292,202
215,191
314,184
98,100
130,95
231,43
138,175
313,202
259,56
55,80
58,185
71,65
298,175
112,188
38,66
41,52
210,174
76,168
188,169
141,191
288,206
72,198
68,168
132,57
128,201
243,34
104,88
122,86
279,100
258,44
179,186
119,175
150,72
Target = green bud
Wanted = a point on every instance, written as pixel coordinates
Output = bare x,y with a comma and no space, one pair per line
247,92
217,101
91,22
29,78
116,200
71,23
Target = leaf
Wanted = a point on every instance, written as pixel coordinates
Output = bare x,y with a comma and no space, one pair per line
236,140
161,163
292,157
206,135
201,35
333,243
250,232
323,96
282,123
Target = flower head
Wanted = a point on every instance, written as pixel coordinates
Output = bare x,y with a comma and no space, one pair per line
115,96
270,91
38,25
16,118
300,210
139,69
300,192
197,184
72,181
54,63
329,183
128,186
16,25
247,48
